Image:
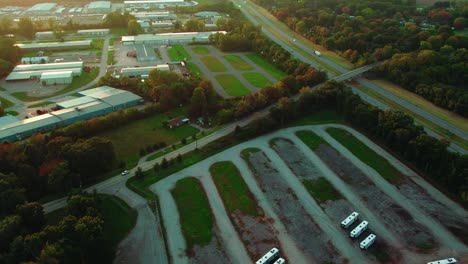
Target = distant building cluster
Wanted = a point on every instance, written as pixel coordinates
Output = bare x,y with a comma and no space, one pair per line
91,103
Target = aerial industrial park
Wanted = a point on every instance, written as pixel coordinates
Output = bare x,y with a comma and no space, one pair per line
217,131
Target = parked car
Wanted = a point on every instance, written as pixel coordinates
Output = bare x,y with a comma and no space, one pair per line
125,172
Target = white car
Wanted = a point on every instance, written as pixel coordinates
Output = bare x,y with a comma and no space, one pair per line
125,172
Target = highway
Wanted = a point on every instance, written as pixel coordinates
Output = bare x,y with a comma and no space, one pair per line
279,33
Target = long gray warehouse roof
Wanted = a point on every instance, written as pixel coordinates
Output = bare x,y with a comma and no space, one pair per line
55,45
26,75
42,7
99,4
116,97
95,90
75,102
8,119
35,123
69,113
48,66
168,37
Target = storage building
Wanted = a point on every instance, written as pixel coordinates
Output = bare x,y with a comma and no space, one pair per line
80,44
25,128
145,53
143,72
169,38
86,111
57,77
42,9
7,119
75,102
35,71
117,99
99,7
94,90
45,35
93,32
152,3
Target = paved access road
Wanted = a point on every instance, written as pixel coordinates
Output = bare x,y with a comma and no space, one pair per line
250,10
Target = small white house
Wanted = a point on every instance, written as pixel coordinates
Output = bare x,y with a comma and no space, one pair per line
58,77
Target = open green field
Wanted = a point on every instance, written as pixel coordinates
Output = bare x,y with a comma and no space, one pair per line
213,64
322,190
232,85
130,138
41,104
194,69
196,218
110,57
312,140
417,118
202,50
366,155
232,188
5,103
238,63
446,115
256,79
12,113
178,53
320,117
265,65
84,79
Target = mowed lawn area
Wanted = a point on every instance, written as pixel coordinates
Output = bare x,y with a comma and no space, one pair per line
312,140
272,70
178,53
196,218
256,79
232,188
238,63
202,50
232,85
213,64
366,155
130,138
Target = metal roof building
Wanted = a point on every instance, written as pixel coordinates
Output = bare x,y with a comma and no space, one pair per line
80,44
99,5
152,3
169,38
7,119
49,66
145,53
31,75
95,90
45,35
93,32
75,102
57,77
104,100
35,71
143,71
42,8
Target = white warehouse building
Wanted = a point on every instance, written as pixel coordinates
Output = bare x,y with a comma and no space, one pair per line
99,7
169,38
57,77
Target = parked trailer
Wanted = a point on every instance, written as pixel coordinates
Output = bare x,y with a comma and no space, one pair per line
359,229
280,261
349,220
444,261
268,257
317,53
368,241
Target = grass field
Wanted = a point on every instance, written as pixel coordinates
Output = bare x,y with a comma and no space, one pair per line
213,64
419,119
41,104
312,140
194,69
366,155
85,78
322,190
202,50
256,79
232,85
5,103
110,57
232,188
196,218
238,63
130,138
265,65
446,115
12,113
178,53
321,117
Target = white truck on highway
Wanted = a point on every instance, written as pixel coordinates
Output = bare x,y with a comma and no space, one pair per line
356,232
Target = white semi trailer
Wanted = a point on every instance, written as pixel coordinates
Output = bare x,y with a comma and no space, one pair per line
356,232
368,241
350,220
444,261
280,261
269,256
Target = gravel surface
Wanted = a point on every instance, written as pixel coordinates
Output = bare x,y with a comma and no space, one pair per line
211,253
394,216
306,233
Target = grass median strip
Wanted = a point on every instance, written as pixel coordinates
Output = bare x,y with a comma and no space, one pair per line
232,85
322,190
178,53
201,50
269,68
238,63
232,188
196,218
366,155
213,64
312,140
256,79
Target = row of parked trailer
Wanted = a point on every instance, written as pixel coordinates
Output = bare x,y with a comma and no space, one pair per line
358,230
271,257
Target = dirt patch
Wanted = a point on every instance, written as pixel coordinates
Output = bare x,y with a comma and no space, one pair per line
458,225
392,215
211,253
256,232
308,236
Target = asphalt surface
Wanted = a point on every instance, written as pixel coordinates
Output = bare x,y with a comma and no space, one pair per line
250,10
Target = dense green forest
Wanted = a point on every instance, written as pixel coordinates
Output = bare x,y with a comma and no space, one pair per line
426,55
